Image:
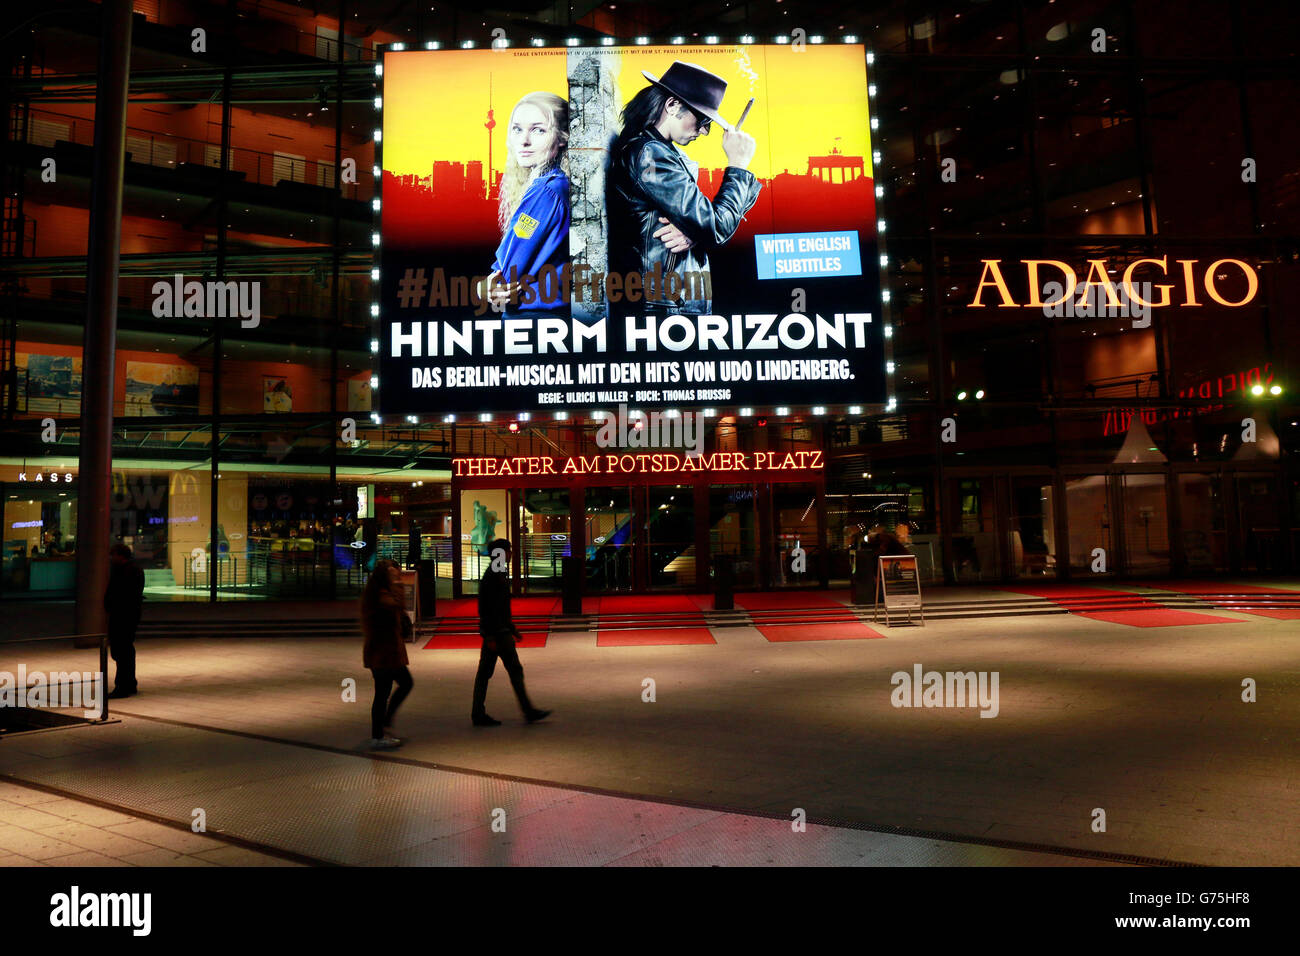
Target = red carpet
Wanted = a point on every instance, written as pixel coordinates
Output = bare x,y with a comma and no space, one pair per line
1218,587
1215,587
467,640
1156,617
775,600
654,637
1144,612
839,631
1062,593
646,604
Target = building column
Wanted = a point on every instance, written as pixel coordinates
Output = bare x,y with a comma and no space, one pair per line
457,557
700,490
99,342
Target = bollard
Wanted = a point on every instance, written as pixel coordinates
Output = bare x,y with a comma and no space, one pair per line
572,585
724,583
427,576
864,579
103,676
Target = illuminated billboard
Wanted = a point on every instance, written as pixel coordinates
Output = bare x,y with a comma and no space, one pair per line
686,226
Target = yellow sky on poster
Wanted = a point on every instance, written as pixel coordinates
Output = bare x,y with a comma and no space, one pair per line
436,102
806,102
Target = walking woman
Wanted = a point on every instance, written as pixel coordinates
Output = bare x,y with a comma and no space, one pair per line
385,625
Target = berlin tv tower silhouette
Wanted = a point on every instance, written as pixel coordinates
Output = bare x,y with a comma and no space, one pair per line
490,125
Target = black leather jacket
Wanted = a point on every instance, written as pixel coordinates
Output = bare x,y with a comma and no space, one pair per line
650,177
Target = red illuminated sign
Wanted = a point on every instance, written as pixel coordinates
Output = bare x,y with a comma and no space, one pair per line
651,463
1118,420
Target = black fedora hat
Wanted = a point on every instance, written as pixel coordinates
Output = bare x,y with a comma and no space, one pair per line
695,86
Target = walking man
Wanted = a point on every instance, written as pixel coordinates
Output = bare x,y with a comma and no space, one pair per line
123,600
497,628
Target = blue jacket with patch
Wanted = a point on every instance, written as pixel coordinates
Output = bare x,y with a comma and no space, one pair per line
538,236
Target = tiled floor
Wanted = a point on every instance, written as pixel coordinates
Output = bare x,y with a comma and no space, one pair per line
44,829
1145,723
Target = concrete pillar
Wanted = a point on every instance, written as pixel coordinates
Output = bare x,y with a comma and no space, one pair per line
100,338
593,124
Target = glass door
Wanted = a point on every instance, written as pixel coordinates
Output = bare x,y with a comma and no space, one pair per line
544,525
609,539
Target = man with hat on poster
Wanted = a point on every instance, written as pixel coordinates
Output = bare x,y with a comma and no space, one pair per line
661,226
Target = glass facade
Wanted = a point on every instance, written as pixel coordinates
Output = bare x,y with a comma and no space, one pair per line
1021,442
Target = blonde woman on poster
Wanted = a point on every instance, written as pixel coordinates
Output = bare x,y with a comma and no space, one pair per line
534,210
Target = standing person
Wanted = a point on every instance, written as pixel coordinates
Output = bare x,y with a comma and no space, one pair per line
384,623
661,226
123,600
533,212
497,628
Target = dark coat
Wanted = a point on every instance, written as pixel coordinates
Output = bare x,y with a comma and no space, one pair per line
124,597
385,646
494,615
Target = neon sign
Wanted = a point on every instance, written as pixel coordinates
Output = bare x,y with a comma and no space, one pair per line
991,278
642,464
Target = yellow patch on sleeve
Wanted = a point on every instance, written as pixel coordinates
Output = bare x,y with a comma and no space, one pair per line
525,226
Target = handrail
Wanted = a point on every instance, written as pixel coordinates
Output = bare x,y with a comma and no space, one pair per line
76,639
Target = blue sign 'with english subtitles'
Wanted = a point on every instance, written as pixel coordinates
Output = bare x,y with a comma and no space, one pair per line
808,255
